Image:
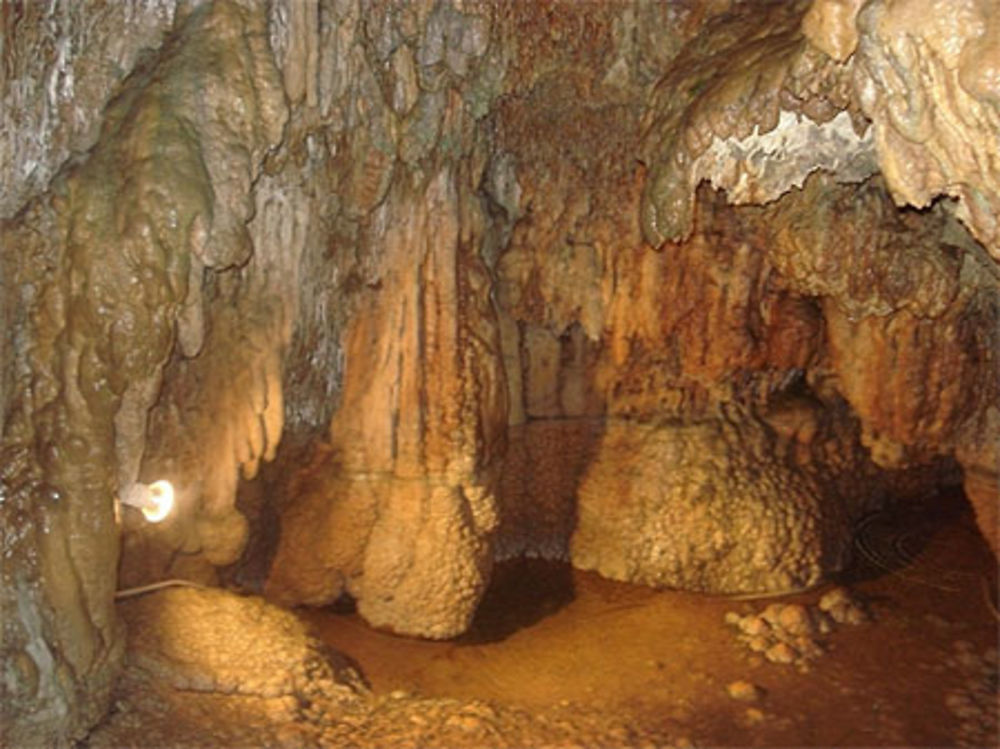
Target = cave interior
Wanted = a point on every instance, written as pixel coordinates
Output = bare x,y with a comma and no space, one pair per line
523,373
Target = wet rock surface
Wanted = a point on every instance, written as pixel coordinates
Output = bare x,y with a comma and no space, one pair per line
686,684
107,266
443,263
206,640
881,683
60,69
744,691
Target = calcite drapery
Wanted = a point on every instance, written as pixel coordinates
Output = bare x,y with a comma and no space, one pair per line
415,438
929,82
104,263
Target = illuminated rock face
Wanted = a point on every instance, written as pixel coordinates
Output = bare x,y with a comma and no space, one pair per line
394,290
415,441
105,275
722,506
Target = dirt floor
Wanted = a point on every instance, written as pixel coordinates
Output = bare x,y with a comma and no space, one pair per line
902,652
921,671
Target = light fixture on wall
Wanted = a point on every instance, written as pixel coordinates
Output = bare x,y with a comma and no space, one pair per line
155,500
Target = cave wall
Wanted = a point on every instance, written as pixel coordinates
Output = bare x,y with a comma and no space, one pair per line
465,281
102,275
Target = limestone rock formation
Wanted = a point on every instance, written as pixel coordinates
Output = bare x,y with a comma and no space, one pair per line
673,290
722,506
61,65
929,83
414,440
207,641
103,268
753,117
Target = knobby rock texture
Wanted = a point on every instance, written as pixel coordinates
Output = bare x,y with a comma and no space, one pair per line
676,291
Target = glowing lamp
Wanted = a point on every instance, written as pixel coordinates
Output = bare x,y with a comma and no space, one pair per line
155,500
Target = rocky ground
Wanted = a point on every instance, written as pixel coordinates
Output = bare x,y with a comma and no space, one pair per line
563,658
149,713
974,702
210,668
794,633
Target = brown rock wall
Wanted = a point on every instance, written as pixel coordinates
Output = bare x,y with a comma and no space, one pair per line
537,492
909,304
60,64
928,81
104,265
418,428
703,322
851,245
917,384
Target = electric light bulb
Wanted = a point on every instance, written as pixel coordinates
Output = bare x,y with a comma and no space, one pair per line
155,500
160,501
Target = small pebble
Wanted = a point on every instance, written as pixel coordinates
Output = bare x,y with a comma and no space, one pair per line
794,618
808,647
468,723
772,613
855,615
823,622
754,625
781,653
758,644
835,598
837,613
732,618
744,691
754,716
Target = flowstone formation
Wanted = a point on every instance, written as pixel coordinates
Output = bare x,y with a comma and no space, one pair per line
929,83
390,291
846,89
403,512
100,278
405,522
722,506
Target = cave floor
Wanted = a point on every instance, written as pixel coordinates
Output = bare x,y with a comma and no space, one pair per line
560,657
921,672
